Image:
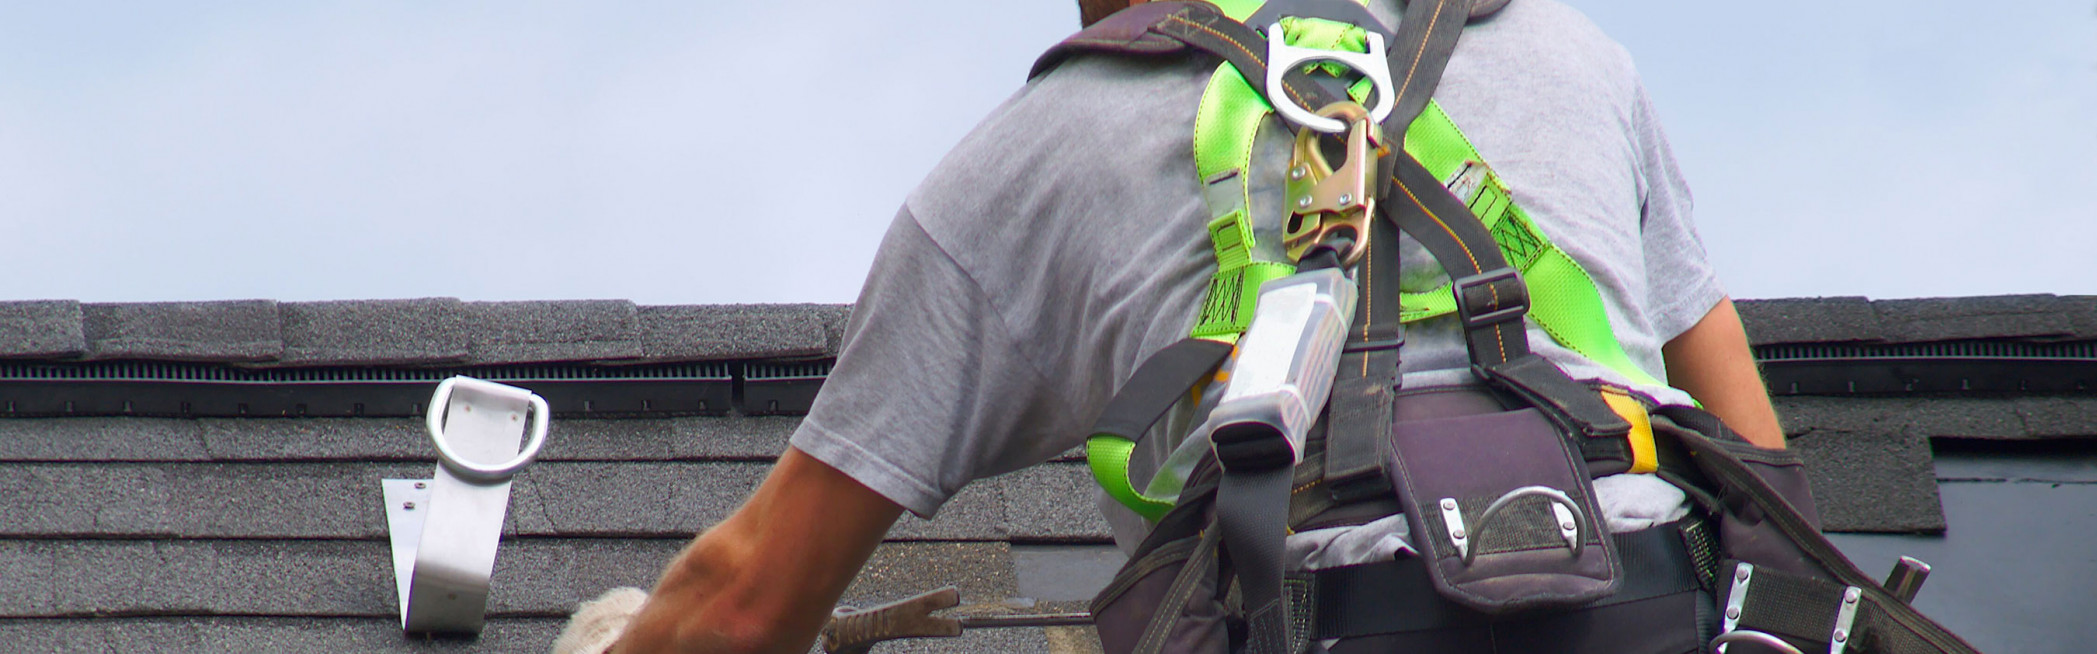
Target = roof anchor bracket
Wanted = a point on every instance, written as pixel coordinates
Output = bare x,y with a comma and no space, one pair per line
445,529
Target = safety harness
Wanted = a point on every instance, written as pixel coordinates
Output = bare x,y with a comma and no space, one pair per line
1209,576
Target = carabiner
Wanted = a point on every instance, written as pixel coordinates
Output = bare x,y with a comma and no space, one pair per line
1334,206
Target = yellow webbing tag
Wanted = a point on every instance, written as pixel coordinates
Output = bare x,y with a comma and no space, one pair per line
1643,457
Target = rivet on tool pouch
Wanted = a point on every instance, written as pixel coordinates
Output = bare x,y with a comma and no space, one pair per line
1500,503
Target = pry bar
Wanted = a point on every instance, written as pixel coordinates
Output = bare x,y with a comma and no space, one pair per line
856,631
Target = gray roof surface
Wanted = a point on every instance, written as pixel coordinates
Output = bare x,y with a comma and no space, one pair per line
1856,319
226,534
443,331
427,331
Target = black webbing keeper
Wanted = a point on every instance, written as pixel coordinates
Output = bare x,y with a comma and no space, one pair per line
1545,386
1399,597
1814,615
1490,298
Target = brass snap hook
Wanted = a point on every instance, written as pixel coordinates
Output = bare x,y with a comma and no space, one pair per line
1333,206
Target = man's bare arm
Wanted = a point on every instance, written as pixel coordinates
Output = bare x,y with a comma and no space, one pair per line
1713,363
765,579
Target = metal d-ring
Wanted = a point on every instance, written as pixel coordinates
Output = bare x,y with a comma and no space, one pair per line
1750,636
1282,58
1575,540
476,472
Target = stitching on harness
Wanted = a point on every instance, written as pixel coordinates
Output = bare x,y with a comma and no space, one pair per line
1475,268
1368,292
1286,87
1418,54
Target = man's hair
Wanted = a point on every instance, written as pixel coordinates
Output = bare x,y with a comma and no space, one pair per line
1092,11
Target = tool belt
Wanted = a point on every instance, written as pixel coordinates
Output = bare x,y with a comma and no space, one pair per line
1495,482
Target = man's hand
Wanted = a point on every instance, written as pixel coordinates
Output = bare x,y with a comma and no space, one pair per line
1713,363
765,579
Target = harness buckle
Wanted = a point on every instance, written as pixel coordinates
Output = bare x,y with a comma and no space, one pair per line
1328,206
1491,304
1282,58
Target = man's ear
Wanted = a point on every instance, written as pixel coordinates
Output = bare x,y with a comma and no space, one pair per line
1093,11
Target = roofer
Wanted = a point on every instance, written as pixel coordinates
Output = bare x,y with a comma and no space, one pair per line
1089,254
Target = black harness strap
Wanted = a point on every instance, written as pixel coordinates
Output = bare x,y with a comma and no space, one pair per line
1360,409
1158,384
1490,301
1398,596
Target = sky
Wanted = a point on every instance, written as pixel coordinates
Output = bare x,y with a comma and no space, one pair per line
713,152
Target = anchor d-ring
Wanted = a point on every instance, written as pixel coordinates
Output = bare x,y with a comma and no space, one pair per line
475,472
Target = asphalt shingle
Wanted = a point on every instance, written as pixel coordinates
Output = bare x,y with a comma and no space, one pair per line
1947,417
1872,481
1809,320
41,329
550,499
542,331
103,439
2058,417
426,331
1054,502
229,331
1943,319
741,331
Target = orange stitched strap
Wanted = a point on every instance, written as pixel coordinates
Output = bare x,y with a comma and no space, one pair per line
1643,457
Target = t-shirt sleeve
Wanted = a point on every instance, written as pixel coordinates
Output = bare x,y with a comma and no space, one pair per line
1681,285
930,390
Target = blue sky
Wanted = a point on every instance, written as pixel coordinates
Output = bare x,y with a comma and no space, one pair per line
755,152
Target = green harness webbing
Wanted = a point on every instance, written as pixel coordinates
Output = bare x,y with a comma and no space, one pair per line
1564,300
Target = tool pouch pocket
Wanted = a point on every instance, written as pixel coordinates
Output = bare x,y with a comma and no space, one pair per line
1165,601
1502,508
1746,531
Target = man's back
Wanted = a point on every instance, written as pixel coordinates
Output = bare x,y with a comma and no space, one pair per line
1064,241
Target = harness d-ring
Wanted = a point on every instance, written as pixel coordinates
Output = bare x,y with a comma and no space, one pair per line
1282,58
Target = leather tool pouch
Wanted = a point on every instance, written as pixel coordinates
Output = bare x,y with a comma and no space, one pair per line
1176,583
1500,504
1745,530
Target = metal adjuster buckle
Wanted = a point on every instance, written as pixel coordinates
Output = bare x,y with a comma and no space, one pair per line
1512,303
1282,58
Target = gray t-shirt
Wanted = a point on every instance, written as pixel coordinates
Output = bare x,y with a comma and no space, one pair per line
1062,242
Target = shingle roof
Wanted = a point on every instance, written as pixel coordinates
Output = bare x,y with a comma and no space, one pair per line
1847,319
424,332
210,532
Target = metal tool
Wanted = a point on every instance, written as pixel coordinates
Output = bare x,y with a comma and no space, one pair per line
445,529
1328,205
1907,577
856,631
